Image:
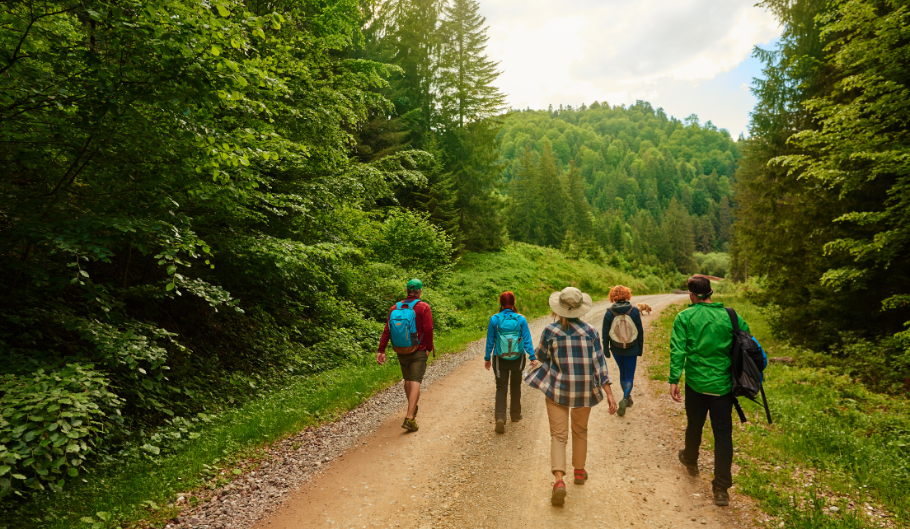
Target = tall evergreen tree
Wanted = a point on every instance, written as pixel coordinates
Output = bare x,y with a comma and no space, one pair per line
523,200
553,199
680,234
439,197
466,74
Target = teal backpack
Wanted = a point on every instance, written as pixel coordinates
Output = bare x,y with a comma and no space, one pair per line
508,336
403,328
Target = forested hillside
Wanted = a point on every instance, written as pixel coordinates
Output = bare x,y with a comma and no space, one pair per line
824,185
648,189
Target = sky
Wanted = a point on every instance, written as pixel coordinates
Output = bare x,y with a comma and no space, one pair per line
687,56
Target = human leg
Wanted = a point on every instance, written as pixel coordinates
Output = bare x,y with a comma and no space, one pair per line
559,436
502,390
579,419
412,390
628,376
721,410
515,383
696,413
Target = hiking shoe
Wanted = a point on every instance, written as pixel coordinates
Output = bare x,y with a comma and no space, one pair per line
559,493
721,497
516,418
410,425
500,426
693,469
581,475
628,403
622,407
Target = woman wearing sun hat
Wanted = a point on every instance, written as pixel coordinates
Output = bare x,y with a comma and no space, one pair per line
572,373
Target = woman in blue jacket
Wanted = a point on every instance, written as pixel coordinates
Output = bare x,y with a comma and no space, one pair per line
508,341
626,354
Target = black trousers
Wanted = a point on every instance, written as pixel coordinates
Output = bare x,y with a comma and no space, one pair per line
698,406
508,373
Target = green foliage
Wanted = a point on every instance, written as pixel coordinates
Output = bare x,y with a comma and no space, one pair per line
409,240
833,442
656,188
51,422
713,264
825,182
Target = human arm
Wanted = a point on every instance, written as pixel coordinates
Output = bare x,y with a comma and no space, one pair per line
641,330
605,331
491,338
383,342
426,327
678,350
527,341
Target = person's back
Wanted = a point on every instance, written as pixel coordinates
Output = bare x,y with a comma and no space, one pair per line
700,346
700,343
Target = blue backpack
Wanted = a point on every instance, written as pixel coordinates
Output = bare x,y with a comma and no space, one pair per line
403,328
508,336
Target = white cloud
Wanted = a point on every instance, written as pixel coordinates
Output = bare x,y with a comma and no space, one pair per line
574,51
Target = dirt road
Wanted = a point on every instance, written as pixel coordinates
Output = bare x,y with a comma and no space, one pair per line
457,472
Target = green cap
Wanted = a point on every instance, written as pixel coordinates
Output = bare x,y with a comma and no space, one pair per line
415,284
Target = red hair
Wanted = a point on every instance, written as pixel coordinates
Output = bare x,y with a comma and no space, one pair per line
506,301
620,293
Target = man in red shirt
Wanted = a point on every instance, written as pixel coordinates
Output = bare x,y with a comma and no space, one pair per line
413,365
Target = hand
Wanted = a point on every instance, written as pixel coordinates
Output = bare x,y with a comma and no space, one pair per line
610,400
380,358
535,364
674,393
487,364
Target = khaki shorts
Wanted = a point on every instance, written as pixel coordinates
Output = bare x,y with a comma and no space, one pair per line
414,365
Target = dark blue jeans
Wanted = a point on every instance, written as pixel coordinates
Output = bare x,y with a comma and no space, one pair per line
626,372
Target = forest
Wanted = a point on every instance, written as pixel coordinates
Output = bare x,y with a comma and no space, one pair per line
823,186
201,202
646,191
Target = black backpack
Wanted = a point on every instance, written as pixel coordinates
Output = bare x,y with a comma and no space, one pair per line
745,357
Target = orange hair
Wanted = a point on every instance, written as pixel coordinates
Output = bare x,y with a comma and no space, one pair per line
620,293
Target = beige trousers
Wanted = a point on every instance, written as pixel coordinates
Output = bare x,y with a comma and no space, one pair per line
560,416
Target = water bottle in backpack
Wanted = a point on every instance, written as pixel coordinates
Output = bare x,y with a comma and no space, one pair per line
403,327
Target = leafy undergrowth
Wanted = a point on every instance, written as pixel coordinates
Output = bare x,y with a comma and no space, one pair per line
837,455
142,487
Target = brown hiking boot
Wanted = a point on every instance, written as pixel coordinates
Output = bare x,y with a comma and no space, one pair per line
721,497
500,426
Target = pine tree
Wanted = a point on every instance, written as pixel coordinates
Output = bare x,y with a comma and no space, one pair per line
552,199
466,75
523,200
677,226
439,197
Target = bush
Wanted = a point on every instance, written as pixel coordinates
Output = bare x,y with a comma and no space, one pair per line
713,264
52,421
410,241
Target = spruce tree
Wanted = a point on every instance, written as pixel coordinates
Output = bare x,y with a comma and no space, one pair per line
439,197
466,75
552,199
523,200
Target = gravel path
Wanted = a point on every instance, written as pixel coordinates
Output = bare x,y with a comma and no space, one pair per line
298,459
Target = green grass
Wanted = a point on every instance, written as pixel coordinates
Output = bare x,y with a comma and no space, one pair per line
142,490
833,442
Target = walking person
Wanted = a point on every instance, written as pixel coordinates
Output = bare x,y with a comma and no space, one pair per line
508,341
572,372
410,329
624,337
700,346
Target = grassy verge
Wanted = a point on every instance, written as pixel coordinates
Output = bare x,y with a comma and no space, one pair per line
143,489
837,456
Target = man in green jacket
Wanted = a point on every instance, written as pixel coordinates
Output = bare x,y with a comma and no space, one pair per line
700,345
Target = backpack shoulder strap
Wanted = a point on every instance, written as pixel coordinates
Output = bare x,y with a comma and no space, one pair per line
734,320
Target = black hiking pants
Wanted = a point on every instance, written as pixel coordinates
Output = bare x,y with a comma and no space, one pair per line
508,373
698,406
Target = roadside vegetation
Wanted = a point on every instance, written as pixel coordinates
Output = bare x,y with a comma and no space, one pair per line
141,482
838,453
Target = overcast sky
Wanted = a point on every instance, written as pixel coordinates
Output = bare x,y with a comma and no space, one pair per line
687,56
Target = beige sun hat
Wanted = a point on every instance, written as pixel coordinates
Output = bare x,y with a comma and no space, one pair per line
570,303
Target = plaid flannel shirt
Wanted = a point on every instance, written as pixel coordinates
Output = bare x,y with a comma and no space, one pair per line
572,365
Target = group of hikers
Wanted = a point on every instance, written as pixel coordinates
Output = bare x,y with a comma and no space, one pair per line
569,366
